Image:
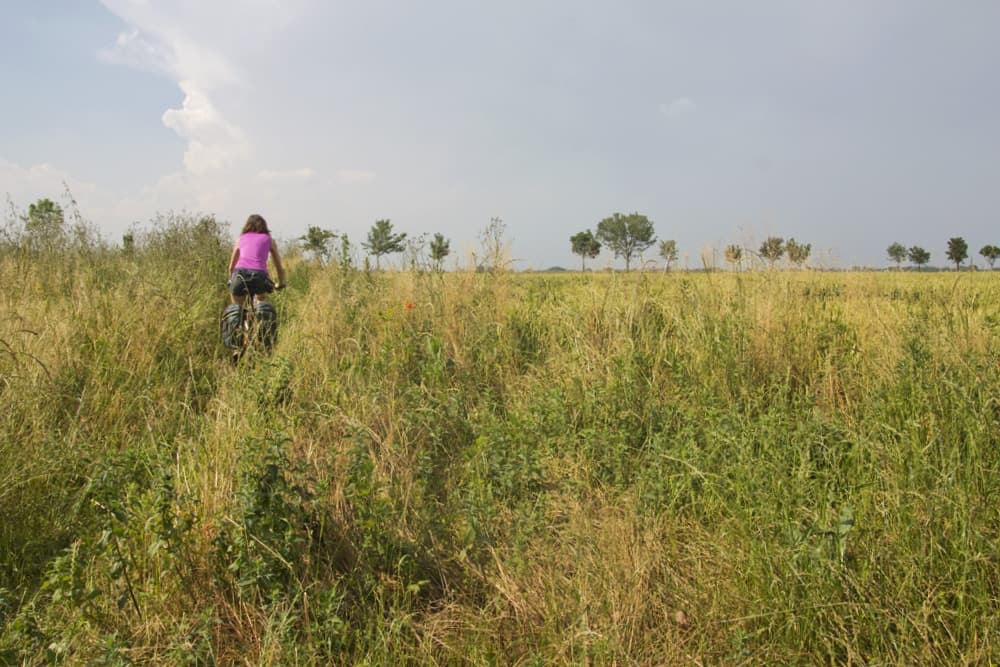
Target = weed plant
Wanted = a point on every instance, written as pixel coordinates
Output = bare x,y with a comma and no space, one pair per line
488,468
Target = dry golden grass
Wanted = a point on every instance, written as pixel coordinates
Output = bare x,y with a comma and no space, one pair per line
683,468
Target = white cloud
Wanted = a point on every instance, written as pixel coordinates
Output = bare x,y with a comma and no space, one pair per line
133,50
24,185
180,39
113,213
270,176
682,106
213,143
355,176
16,178
184,40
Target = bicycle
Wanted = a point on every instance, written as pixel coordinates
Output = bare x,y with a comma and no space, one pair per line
251,325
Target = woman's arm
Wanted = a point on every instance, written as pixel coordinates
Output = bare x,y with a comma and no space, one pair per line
234,258
277,263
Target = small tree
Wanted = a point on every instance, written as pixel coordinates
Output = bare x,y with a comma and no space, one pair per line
668,251
318,242
440,248
382,241
345,255
798,253
585,244
918,256
772,249
990,253
958,251
44,225
734,254
897,253
626,235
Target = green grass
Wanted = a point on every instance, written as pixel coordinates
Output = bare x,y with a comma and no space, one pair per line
760,468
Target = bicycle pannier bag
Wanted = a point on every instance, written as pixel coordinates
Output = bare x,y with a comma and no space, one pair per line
232,331
267,323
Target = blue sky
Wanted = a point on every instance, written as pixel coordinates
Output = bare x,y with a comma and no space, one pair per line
848,125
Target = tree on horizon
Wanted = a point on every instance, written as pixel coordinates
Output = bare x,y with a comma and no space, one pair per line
317,241
798,253
626,235
734,254
668,251
918,256
990,253
440,248
772,249
958,251
44,224
585,244
382,241
897,253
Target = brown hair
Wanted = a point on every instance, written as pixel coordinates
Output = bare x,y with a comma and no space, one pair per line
255,223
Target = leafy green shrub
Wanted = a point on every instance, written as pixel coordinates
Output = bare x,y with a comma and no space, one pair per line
264,551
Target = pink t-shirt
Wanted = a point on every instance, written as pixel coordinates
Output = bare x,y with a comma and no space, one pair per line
253,251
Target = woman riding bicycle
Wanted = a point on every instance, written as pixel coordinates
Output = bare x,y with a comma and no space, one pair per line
248,265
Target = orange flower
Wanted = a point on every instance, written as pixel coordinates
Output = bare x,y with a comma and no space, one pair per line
409,306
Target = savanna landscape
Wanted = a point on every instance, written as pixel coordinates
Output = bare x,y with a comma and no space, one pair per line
757,467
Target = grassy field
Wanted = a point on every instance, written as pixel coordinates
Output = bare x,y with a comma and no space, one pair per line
762,468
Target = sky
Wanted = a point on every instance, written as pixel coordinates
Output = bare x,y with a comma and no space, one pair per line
849,125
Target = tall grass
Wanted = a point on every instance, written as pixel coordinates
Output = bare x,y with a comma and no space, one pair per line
763,468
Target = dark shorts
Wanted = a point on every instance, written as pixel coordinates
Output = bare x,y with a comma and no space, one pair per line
245,281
